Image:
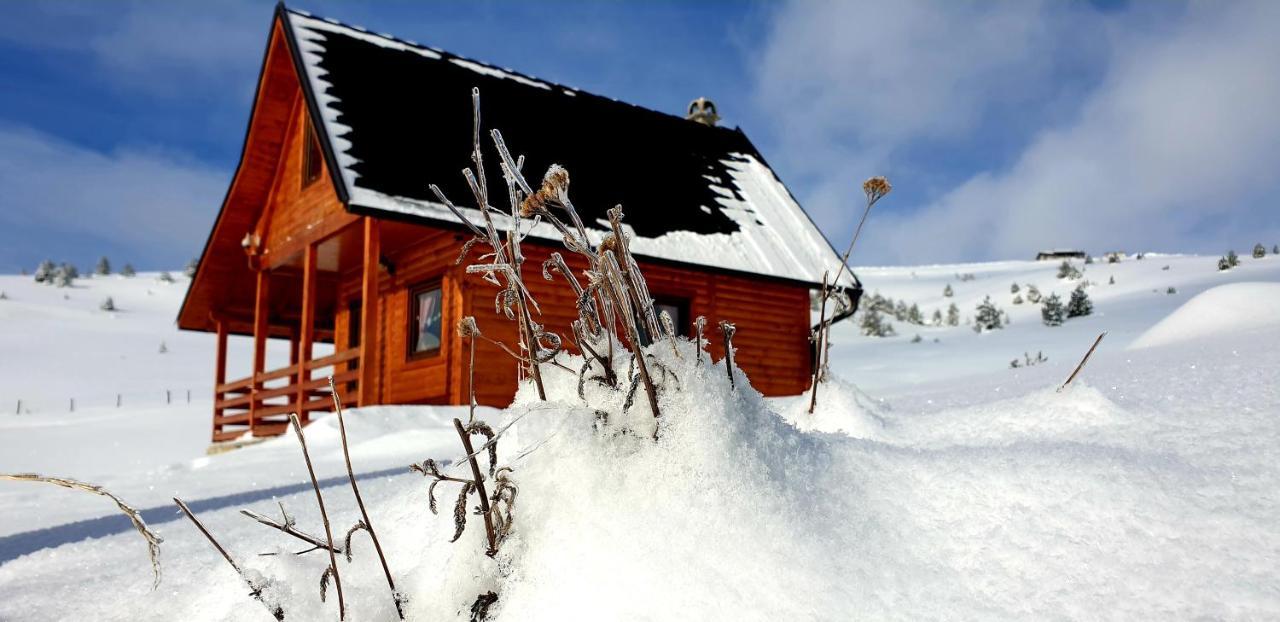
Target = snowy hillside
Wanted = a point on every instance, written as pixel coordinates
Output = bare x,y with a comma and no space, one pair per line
933,482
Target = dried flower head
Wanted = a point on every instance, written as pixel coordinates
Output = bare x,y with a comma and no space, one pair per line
554,186
875,188
556,180
609,243
467,327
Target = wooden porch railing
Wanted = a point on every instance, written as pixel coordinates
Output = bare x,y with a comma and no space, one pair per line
261,404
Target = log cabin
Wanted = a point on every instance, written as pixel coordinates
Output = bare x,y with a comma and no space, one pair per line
328,233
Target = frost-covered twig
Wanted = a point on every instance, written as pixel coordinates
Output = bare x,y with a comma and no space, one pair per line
699,325
153,541
818,337
324,516
288,527
465,434
255,590
364,514
1083,361
728,329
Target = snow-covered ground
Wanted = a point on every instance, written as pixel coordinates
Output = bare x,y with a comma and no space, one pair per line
933,482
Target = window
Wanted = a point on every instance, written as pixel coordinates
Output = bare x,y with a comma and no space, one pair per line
677,308
312,159
425,320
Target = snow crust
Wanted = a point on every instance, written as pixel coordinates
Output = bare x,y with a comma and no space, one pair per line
1226,308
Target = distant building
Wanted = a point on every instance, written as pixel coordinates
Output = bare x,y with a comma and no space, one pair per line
1060,254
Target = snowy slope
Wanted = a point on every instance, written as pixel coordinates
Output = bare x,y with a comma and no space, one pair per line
958,488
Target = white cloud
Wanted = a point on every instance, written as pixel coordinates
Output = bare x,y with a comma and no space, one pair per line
160,204
1175,149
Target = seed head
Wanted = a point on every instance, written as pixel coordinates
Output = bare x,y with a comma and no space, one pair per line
875,189
467,327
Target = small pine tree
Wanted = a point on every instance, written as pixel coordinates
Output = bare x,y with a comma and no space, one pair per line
946,291
163,348
1053,313
988,317
4,296
1013,289
914,316
44,272
103,268
917,338
1171,290
1275,249
1111,281
70,270
1088,260
1259,251
1079,305
874,324
165,277
1017,300
190,270
953,315
1223,264
108,304
62,277
937,317
127,270
1113,258
1033,294
1232,259
1068,271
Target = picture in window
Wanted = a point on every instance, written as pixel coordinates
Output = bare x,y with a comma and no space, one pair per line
426,321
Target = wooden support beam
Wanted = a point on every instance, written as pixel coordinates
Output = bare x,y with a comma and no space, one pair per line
306,327
369,313
260,327
219,374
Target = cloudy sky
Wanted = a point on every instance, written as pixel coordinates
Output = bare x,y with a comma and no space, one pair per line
1005,127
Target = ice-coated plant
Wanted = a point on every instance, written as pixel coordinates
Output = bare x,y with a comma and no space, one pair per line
873,190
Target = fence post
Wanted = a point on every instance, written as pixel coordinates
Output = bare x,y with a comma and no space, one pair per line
117,400
73,404
168,397
19,411
188,396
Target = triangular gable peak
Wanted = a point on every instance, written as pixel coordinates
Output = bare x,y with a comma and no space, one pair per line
264,191
396,117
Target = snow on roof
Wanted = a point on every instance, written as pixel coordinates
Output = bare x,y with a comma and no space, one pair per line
398,117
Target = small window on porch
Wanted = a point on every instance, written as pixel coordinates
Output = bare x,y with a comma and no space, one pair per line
312,159
425,320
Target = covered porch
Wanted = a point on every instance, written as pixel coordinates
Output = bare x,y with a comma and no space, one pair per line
322,300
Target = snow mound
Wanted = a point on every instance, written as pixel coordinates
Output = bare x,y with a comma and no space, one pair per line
842,408
1226,308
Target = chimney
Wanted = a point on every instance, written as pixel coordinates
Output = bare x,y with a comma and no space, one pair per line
703,111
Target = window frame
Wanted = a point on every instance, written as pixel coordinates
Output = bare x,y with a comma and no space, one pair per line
684,304
312,157
411,323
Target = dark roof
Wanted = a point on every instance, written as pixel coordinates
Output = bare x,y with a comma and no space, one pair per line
397,116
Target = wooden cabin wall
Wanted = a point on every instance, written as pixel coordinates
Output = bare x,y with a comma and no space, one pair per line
401,380
772,321
297,215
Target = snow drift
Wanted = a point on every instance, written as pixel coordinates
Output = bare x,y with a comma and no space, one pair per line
1222,309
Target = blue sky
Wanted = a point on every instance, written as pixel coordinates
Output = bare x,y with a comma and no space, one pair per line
1005,127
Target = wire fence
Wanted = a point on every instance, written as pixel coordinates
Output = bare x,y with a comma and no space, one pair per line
125,399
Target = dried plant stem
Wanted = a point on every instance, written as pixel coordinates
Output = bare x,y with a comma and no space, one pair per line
355,489
479,481
618,289
1084,360
324,516
728,330
288,528
817,347
255,590
153,541
471,383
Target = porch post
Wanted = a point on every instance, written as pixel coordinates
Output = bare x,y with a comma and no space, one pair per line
260,328
369,314
219,376
307,325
